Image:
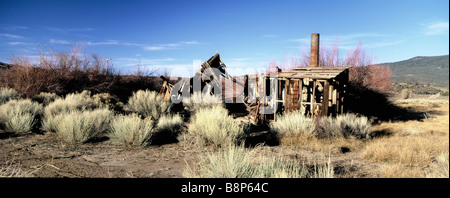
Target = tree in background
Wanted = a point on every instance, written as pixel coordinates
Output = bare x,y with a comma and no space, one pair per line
363,73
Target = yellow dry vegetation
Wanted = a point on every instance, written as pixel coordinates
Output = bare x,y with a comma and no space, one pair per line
412,146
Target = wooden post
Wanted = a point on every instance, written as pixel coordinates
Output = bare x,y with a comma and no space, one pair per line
313,97
326,99
287,96
300,92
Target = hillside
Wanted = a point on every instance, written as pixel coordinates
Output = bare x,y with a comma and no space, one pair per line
422,69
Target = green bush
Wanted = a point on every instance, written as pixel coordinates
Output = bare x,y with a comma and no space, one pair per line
7,94
213,126
148,104
199,101
20,116
293,124
79,127
45,98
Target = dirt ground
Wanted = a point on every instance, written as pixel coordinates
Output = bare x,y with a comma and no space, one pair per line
46,155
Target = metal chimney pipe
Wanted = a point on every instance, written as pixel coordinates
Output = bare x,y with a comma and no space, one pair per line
314,58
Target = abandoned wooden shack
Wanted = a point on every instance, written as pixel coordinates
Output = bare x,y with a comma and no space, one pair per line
314,91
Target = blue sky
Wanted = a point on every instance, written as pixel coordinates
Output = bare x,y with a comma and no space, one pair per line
248,34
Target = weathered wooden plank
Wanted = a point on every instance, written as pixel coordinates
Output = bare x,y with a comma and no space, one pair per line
325,98
300,93
287,96
313,97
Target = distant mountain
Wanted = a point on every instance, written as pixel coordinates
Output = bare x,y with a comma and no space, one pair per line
4,65
422,69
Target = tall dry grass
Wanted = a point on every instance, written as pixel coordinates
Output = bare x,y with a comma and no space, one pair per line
412,151
239,162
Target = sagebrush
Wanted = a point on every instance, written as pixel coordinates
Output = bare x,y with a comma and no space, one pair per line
213,126
7,94
148,104
134,131
198,101
80,127
20,116
239,162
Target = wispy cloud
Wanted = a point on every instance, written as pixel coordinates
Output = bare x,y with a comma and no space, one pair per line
349,41
168,46
129,62
383,43
87,29
437,28
12,27
57,41
18,43
343,38
107,42
12,36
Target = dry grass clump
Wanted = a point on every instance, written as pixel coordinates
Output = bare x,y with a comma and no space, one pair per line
45,98
198,100
7,94
170,126
12,170
399,171
108,101
134,131
340,134
232,162
346,125
422,101
19,116
148,104
72,102
408,150
80,127
293,124
353,125
239,162
131,130
213,126
440,168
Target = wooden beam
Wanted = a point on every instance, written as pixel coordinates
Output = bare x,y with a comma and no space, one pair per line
300,92
287,97
326,99
313,97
